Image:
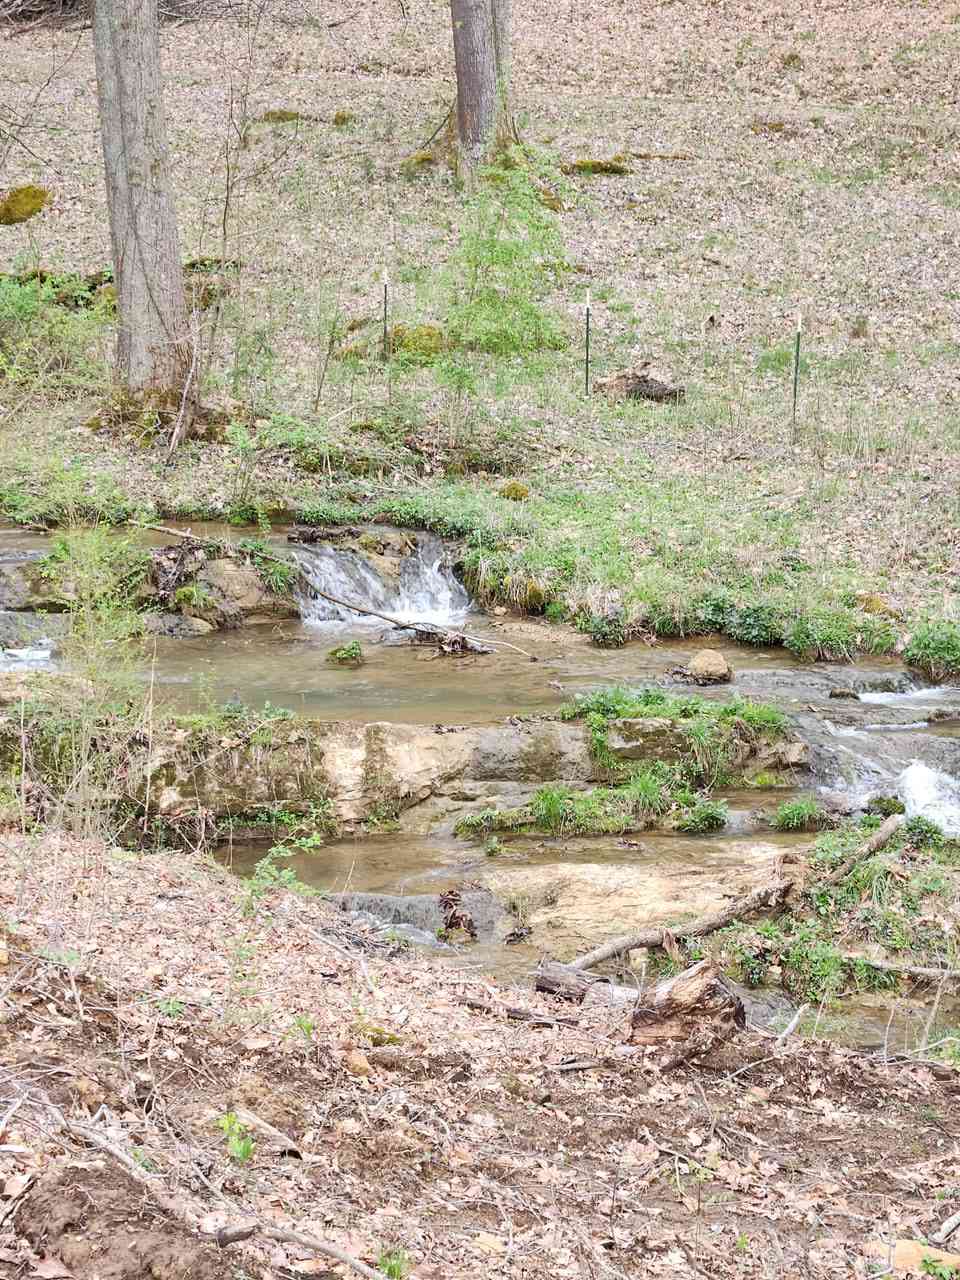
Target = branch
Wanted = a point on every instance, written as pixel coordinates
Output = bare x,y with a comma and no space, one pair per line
760,899
883,834
909,970
188,1216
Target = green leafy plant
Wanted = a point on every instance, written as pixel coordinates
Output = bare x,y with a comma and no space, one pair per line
704,816
510,255
240,1146
171,1006
394,1263
934,648
346,655
800,814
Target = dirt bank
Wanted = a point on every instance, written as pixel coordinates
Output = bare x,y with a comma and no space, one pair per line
182,1051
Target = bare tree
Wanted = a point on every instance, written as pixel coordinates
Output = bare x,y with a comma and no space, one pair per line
481,47
154,350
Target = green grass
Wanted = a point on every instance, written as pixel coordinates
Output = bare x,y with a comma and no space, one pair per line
934,648
801,814
712,729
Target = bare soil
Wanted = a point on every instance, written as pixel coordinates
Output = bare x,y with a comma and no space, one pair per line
144,999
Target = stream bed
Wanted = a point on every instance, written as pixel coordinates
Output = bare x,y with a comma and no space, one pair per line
873,728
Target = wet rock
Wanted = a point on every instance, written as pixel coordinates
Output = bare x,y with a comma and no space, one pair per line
541,751
784,753
649,738
177,626
845,693
765,1007
426,911
27,630
709,666
237,594
23,586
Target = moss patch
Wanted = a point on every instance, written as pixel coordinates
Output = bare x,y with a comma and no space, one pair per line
23,203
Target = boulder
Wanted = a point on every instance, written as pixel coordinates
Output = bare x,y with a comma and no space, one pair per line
709,666
647,738
23,586
179,626
239,595
539,751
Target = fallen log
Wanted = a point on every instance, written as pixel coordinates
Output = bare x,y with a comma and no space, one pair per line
761,899
565,983
907,970
696,1011
883,835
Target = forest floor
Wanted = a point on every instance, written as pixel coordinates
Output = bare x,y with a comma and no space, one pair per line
184,1055
775,163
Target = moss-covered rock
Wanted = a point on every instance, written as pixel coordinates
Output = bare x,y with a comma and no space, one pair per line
23,203
615,166
515,491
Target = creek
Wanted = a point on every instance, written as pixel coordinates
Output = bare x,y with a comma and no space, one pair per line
872,728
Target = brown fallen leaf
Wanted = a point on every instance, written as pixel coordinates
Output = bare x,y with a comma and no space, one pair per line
52,1269
910,1255
357,1063
17,1185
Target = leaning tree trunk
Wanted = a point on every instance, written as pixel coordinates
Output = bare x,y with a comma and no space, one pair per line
481,47
153,346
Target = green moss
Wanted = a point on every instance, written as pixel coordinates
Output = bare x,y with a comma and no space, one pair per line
284,115
23,203
616,166
343,118
418,343
515,491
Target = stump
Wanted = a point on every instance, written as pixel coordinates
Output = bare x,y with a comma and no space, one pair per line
696,1011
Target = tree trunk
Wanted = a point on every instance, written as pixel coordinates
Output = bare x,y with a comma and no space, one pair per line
153,348
481,47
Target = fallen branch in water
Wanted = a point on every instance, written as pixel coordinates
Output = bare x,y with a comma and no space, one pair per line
428,628
760,899
908,970
883,834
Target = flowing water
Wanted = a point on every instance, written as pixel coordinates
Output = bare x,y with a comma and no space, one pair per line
896,737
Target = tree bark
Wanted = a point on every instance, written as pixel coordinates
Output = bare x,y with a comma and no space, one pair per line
153,346
481,48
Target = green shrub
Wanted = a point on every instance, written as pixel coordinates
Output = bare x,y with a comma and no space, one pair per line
509,257
43,345
934,648
801,814
704,816
755,624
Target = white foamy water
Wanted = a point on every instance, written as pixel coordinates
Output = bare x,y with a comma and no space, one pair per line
931,696
930,793
424,590
30,658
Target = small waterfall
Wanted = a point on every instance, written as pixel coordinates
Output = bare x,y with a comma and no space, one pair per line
930,793
424,588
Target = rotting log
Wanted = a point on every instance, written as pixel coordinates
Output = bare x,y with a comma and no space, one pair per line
695,1011
767,898
581,988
